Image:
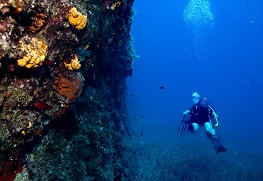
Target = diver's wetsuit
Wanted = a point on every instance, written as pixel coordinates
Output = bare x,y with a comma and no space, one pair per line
200,116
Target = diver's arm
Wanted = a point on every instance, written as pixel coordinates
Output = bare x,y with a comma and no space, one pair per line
186,112
215,116
186,116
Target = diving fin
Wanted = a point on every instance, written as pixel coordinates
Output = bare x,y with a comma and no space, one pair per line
185,124
183,128
217,144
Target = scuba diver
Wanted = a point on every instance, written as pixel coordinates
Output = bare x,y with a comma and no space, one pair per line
201,114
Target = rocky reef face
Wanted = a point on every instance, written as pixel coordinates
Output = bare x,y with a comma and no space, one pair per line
63,69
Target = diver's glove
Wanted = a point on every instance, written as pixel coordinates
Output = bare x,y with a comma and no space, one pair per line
187,112
186,118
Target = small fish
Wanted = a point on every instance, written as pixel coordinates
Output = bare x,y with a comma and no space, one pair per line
141,133
42,106
131,95
48,62
142,116
161,87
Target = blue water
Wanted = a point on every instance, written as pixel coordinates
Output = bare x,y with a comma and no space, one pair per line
223,62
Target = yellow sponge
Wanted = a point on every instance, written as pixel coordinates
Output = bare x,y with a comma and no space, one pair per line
74,64
36,53
76,19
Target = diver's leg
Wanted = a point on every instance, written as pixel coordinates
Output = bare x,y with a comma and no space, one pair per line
209,128
215,139
194,127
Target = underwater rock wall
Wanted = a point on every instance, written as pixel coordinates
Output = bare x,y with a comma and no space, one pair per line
63,69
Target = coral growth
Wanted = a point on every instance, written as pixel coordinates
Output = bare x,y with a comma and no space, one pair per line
6,26
76,19
70,88
74,64
41,95
36,53
37,22
12,167
15,5
2,94
114,5
18,99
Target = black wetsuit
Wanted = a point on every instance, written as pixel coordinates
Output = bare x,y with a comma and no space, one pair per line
200,116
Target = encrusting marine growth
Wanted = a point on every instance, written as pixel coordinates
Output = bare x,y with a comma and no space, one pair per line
63,70
76,19
74,64
36,53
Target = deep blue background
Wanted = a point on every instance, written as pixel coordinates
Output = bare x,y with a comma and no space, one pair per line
225,66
